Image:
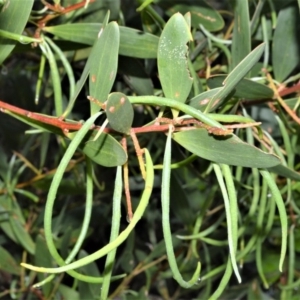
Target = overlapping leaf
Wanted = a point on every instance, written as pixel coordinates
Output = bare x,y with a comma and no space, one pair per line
133,43
285,55
227,150
119,112
13,18
172,59
105,150
104,64
236,75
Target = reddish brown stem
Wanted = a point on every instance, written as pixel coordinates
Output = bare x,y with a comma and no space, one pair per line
64,10
68,126
139,152
56,122
59,10
289,90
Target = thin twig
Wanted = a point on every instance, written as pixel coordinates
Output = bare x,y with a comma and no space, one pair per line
126,182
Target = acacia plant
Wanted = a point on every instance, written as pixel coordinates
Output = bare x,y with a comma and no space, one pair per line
149,148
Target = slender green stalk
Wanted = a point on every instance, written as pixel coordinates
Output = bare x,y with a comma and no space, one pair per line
232,228
240,255
282,213
179,164
165,203
290,155
288,294
160,101
40,79
55,77
204,232
88,208
115,227
122,236
258,260
260,228
231,190
224,282
66,64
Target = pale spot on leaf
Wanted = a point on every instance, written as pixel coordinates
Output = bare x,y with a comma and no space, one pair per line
111,75
204,101
100,32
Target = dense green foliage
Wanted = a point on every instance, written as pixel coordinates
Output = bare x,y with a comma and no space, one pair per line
182,180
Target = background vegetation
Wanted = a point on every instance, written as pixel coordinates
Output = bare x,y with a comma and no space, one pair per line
197,110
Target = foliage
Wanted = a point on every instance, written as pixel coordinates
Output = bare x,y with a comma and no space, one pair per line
186,158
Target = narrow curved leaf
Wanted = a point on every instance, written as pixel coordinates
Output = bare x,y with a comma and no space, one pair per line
246,88
241,40
286,55
227,150
8,263
13,18
43,258
133,43
104,64
119,112
172,59
236,75
22,235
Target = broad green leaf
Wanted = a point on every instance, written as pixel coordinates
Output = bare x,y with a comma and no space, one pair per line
22,235
285,172
91,57
236,75
43,258
200,101
172,59
104,64
13,18
133,43
241,40
228,150
68,292
88,290
105,150
8,263
119,112
13,223
286,48
246,88
201,12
